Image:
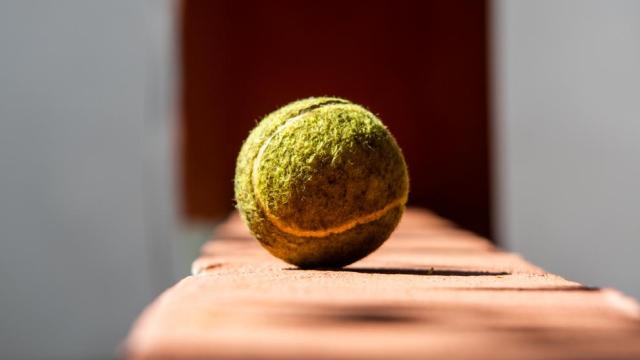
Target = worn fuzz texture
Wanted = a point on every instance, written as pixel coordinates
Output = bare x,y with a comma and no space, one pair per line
321,182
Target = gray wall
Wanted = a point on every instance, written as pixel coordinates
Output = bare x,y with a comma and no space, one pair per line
86,174
567,93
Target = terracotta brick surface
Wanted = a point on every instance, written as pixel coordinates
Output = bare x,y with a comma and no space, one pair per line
431,291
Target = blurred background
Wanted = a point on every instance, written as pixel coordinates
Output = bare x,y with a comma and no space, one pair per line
120,122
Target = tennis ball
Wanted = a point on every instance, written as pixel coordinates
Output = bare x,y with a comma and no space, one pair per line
321,182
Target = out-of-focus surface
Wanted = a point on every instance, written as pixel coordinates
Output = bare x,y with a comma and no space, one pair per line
431,291
86,194
419,65
567,75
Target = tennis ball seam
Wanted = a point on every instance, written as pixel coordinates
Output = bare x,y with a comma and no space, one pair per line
293,230
296,231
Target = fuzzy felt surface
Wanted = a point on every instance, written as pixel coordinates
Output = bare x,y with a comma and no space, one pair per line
318,164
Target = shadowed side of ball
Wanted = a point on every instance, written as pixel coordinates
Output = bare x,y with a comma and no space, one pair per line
321,182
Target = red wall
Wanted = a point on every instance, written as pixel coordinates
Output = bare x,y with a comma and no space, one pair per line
420,65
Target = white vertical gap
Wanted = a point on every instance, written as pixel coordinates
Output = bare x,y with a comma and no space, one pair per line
498,96
160,126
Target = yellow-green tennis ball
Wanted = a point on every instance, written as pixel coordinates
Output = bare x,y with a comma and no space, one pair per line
321,182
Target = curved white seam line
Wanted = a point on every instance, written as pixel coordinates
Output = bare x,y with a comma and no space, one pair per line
292,230
258,159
